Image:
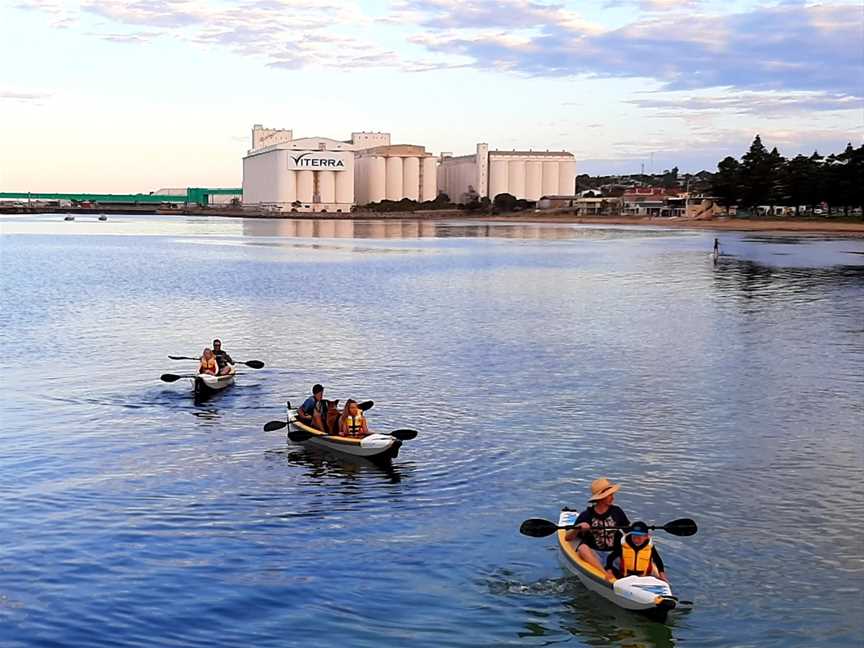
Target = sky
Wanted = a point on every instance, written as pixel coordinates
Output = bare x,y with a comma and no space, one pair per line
125,96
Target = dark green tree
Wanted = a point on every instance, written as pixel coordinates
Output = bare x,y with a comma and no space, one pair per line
847,178
504,202
669,179
798,182
756,175
726,184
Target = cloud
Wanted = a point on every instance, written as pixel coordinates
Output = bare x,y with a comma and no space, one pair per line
798,47
33,97
283,33
769,103
60,16
129,38
482,14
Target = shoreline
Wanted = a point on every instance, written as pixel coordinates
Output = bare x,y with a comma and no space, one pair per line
724,224
821,226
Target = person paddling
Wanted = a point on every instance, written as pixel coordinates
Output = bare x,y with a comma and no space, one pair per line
313,409
226,364
636,555
596,529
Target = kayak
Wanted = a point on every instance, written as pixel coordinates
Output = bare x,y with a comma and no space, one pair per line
377,447
645,594
207,384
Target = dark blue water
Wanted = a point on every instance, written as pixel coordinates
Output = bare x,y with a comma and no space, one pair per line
531,358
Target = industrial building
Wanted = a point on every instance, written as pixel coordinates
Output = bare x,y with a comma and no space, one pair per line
306,174
323,174
395,172
524,174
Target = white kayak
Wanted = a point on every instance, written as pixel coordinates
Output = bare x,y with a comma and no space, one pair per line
373,446
208,384
639,593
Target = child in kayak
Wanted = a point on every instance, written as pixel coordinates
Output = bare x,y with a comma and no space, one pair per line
208,363
352,423
636,555
597,527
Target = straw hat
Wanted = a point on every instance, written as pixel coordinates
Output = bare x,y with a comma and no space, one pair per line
601,488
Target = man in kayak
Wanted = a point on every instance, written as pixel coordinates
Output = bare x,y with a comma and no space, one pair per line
314,408
222,358
636,556
597,527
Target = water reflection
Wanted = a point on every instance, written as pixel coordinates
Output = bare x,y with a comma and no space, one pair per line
416,229
554,607
322,465
594,619
752,279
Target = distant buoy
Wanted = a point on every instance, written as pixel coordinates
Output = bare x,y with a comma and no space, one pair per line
69,217
103,217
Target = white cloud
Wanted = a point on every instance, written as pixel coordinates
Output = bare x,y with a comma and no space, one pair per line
34,97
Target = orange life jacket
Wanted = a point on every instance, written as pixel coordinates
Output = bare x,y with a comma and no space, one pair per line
636,561
208,366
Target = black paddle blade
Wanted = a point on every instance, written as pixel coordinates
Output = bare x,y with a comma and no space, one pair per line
299,435
255,364
538,528
682,527
274,425
182,358
366,405
169,378
404,435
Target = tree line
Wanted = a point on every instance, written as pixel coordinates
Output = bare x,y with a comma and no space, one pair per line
765,178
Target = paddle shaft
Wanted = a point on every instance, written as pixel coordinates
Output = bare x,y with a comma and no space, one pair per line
540,528
254,364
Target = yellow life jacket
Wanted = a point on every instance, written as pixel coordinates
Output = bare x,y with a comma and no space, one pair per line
636,561
354,424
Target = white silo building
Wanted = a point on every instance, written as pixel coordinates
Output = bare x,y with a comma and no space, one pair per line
307,174
393,172
323,174
524,174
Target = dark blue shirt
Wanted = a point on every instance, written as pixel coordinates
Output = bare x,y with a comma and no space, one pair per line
309,406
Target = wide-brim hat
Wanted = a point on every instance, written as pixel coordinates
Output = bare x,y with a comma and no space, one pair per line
601,488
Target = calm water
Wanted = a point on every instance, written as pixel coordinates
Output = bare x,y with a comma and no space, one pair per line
532,359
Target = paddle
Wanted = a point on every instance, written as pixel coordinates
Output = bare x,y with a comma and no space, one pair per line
272,426
302,435
169,378
540,528
254,364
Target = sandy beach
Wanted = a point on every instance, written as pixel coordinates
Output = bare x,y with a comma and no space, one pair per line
844,228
